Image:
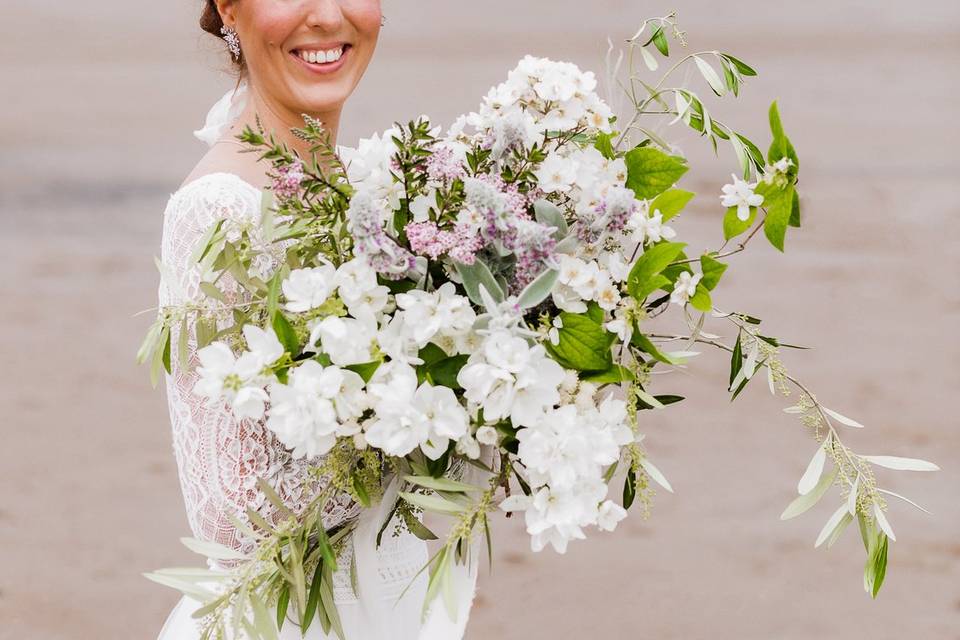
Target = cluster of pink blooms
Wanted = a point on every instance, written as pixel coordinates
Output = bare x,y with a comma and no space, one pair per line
427,239
443,165
286,184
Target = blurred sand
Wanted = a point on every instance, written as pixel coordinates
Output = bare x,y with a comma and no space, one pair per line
98,104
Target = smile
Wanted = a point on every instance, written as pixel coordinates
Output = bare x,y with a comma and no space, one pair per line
322,60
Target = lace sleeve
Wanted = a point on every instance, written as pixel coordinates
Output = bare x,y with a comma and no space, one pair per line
219,458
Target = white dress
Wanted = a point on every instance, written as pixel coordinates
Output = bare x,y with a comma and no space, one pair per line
219,457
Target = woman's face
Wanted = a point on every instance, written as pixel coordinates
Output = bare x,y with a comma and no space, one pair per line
305,55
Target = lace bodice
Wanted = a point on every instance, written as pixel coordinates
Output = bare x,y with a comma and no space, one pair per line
219,457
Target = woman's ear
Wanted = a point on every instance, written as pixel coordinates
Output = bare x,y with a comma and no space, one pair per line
227,10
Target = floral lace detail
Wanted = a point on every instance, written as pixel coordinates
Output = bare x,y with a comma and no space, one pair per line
219,457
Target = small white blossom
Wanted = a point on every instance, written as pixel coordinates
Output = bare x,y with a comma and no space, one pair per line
685,287
740,195
556,174
509,378
307,289
487,435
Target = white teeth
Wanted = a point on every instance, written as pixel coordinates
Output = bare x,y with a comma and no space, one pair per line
321,57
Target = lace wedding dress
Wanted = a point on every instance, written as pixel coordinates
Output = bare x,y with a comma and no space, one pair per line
219,458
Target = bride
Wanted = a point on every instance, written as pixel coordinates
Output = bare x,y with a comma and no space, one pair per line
292,57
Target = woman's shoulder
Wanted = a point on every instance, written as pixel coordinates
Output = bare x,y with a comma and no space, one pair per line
219,182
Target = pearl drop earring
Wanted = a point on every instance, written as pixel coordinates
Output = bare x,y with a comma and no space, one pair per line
233,41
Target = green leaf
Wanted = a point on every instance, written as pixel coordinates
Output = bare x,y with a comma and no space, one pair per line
781,146
736,361
444,372
701,299
538,290
779,206
431,503
286,334
629,489
273,294
741,66
365,370
550,215
479,274
879,565
671,202
584,344
416,527
643,343
283,603
643,280
650,172
733,225
712,271
802,503
795,210
313,599
663,401
604,145
442,484
183,349
710,75
212,291
660,42
615,374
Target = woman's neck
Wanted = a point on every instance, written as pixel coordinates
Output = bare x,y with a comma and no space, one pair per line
279,121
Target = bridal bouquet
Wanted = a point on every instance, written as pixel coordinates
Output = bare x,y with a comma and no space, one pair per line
460,324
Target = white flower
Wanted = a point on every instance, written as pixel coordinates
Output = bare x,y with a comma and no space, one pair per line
609,515
649,229
685,287
468,446
420,206
428,418
487,435
346,340
740,195
782,165
429,313
509,378
238,380
262,344
608,296
357,284
307,289
556,174
306,413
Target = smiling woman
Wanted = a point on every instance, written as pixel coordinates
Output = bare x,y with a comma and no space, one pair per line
293,57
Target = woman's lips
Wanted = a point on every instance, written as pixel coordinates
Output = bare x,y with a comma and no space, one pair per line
322,68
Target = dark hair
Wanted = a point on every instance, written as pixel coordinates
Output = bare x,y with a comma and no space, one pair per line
212,23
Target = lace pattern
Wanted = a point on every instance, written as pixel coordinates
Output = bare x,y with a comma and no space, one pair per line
219,458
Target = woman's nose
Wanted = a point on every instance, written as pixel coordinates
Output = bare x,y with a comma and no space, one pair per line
324,14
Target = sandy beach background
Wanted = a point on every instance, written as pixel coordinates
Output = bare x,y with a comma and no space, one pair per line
98,103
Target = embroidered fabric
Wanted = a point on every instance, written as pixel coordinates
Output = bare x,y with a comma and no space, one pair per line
219,458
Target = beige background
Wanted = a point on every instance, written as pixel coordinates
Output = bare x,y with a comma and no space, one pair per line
99,99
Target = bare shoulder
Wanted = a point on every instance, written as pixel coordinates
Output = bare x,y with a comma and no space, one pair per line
230,158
